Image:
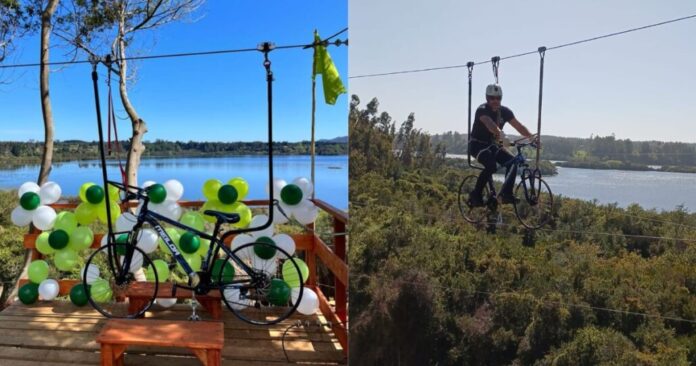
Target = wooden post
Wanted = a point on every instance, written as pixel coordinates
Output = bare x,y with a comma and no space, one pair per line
311,260
339,241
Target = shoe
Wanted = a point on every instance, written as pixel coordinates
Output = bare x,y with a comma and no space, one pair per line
475,200
509,199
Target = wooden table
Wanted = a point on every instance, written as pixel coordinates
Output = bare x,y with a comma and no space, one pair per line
204,338
139,293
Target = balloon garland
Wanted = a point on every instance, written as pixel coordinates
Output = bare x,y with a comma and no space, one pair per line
227,198
294,200
33,201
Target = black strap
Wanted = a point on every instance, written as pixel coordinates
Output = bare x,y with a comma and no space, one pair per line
470,67
542,54
495,61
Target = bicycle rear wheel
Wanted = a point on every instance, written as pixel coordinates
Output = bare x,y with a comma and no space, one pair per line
117,283
472,214
535,206
267,294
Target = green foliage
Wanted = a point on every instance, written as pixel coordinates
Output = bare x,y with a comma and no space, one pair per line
466,297
11,243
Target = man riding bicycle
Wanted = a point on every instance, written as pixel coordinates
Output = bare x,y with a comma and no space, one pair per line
487,131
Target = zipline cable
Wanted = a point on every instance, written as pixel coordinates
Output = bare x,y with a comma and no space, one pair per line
436,68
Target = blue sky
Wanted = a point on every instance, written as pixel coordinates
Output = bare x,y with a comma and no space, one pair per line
638,85
206,98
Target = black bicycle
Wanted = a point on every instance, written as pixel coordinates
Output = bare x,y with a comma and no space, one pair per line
534,201
253,279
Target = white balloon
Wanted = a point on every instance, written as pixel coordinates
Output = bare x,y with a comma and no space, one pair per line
140,275
92,273
285,242
174,189
259,220
136,261
148,183
44,217
165,302
49,289
168,208
20,216
265,265
278,216
233,297
28,187
309,303
125,222
104,240
240,240
278,185
49,193
147,240
305,185
306,212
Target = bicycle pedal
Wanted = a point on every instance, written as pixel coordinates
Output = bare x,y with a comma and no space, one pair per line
194,318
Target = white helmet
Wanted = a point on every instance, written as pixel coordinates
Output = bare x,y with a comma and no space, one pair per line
494,90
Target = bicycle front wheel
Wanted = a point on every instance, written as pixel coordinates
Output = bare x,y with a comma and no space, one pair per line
472,214
535,206
268,291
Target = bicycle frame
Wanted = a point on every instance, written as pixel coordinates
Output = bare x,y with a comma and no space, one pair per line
533,175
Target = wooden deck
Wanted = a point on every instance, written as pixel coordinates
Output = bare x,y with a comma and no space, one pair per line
58,333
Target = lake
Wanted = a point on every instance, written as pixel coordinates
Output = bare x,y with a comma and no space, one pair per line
331,174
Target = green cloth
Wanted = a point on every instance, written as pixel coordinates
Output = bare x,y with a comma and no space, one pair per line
331,81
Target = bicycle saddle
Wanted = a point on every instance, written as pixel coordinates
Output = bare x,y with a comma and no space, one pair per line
227,218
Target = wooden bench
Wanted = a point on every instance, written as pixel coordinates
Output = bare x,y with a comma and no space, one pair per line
204,338
140,293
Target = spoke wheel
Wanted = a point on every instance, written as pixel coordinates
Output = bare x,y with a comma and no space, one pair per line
474,215
263,294
535,206
118,277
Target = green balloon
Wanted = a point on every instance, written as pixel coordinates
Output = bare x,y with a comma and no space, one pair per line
81,238
244,213
100,290
30,201
194,261
227,275
290,275
83,191
291,194
157,193
241,185
174,235
58,239
203,249
29,293
38,271
78,295
211,188
66,260
66,221
265,251
94,194
85,213
122,244
162,269
42,244
194,220
189,242
279,293
227,194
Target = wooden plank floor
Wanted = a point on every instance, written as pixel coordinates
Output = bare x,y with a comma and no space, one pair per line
58,333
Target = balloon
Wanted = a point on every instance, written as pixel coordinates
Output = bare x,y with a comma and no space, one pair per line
100,291
78,295
83,191
174,189
194,261
122,244
285,242
244,213
66,221
265,251
194,220
29,293
30,201
279,293
166,302
115,212
241,186
92,273
189,242
174,235
211,188
305,185
258,221
234,299
44,217
227,275
148,183
42,244
48,289
85,213
81,238
306,213
28,187
308,303
291,194
240,240
227,194
268,266
290,275
278,185
203,249
136,261
50,193
157,193
20,216
66,260
210,205
37,271
125,222
162,269
94,194
58,239
140,275
279,217
147,240
173,209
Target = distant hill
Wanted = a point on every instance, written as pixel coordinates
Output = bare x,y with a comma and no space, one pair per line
340,140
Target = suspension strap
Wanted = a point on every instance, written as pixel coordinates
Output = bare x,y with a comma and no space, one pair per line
111,121
495,61
470,67
542,54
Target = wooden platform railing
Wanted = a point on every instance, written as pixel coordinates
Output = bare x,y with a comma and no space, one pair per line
314,248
